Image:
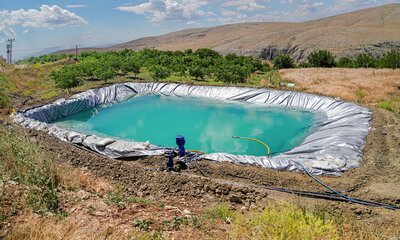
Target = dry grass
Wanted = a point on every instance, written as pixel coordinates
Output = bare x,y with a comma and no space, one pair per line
51,228
368,86
72,179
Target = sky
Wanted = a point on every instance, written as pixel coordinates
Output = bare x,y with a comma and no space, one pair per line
37,25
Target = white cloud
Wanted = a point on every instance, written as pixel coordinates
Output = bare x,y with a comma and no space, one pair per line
160,10
235,11
46,17
251,7
248,5
76,6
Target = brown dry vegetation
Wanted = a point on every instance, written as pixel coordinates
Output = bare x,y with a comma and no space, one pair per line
367,86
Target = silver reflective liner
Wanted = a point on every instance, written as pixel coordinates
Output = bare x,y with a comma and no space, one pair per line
334,147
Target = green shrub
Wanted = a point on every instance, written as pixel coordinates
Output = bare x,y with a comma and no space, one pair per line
365,60
283,61
345,62
304,65
391,59
321,58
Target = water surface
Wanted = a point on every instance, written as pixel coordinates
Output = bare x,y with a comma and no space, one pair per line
208,125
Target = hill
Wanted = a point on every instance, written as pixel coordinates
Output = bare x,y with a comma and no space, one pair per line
373,30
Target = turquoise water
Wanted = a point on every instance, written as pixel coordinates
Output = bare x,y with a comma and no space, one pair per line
208,125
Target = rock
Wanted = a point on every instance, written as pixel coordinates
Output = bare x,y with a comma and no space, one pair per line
235,199
253,206
243,209
244,190
213,188
187,213
167,207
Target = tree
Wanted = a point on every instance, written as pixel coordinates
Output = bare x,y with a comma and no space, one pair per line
321,58
283,61
88,66
207,53
130,65
105,72
158,72
197,72
345,62
66,77
391,59
365,60
230,73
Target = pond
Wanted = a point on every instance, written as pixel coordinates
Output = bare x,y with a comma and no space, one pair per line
208,125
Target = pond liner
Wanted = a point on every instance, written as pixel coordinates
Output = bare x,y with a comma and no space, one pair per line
333,147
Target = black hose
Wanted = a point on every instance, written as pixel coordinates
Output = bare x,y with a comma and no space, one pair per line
350,199
335,195
329,196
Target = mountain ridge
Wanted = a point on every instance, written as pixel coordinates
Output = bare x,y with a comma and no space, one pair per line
373,30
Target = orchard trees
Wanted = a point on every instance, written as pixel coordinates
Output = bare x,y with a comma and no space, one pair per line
67,77
283,61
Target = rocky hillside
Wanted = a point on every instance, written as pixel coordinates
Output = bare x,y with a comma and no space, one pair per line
372,30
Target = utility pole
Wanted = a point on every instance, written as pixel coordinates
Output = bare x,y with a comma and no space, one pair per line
76,52
9,50
8,53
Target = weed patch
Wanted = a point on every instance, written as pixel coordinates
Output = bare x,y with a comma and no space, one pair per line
22,162
284,222
142,224
222,212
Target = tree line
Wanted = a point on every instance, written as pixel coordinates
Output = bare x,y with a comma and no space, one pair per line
199,64
326,59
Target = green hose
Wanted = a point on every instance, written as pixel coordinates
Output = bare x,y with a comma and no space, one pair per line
257,141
